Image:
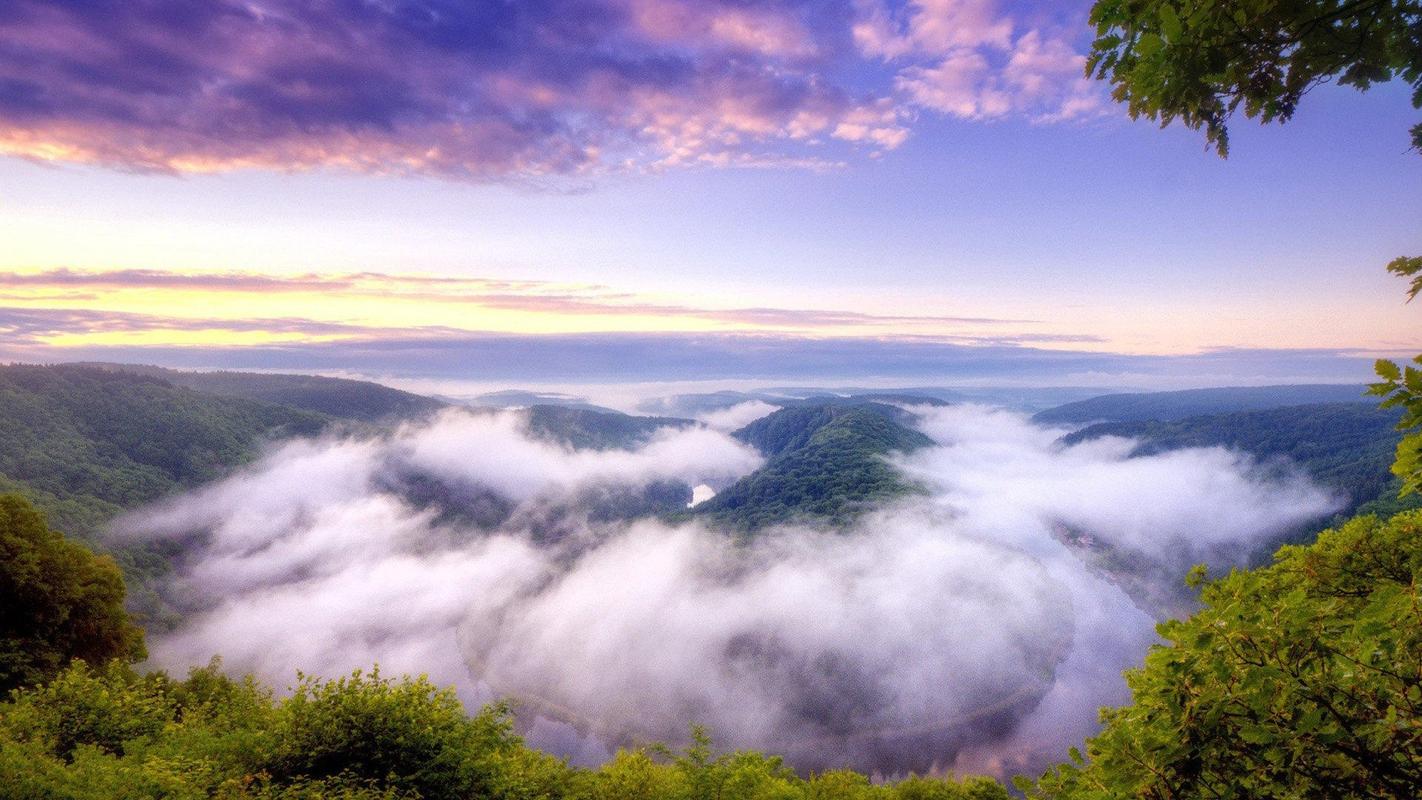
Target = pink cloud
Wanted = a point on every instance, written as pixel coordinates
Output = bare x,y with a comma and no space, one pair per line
509,90
970,59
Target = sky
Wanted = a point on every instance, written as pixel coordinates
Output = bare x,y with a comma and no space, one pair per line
634,190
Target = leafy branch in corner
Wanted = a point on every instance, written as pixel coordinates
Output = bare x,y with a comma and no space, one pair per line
1401,387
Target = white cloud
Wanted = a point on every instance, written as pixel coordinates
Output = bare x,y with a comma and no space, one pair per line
737,416
960,628
970,59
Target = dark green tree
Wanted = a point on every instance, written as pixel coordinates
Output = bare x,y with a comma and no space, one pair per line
58,601
1202,62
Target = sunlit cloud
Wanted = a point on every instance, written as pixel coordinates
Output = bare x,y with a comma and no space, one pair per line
969,59
511,91
63,307
428,325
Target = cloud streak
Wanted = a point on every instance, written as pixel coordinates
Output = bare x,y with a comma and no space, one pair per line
75,304
966,628
565,360
500,91
415,326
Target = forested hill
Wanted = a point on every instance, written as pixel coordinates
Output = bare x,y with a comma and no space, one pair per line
1345,446
587,429
1195,402
86,443
337,397
825,462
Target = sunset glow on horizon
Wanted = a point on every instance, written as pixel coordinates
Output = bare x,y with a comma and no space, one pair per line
245,184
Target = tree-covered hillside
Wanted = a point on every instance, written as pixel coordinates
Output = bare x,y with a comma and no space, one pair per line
1195,402
825,461
336,397
1347,447
85,443
586,429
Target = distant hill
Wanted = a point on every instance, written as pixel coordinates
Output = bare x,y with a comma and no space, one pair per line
520,398
1019,398
86,443
882,398
1345,446
825,462
691,405
1167,406
587,429
1027,399
337,397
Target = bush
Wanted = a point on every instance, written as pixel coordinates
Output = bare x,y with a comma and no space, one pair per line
1301,679
112,733
408,735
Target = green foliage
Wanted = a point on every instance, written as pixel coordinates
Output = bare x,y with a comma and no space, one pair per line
1200,62
1401,387
699,773
1302,679
104,709
407,735
825,462
112,733
1405,267
58,601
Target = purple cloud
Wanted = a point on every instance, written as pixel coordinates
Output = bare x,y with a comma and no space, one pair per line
499,90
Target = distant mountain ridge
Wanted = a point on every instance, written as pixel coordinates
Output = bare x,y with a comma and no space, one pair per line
589,429
344,398
521,398
1165,406
1347,447
1025,399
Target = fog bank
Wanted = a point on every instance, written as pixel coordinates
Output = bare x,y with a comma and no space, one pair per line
973,625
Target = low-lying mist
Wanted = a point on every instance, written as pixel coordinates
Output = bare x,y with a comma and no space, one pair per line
977,625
